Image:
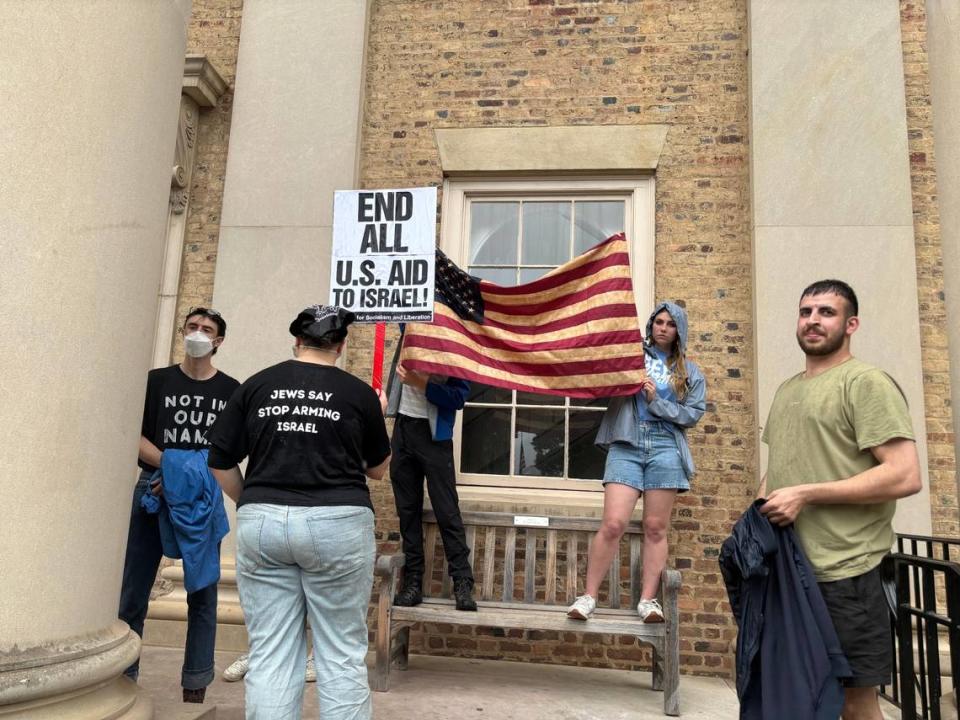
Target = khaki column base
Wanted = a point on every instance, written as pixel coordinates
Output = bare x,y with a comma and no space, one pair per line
120,698
166,624
77,677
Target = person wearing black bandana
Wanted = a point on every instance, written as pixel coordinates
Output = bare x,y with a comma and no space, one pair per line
312,434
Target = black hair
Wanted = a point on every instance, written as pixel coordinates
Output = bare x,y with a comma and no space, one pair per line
838,287
327,341
210,315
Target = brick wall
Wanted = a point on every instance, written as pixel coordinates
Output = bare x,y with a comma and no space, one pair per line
554,62
933,314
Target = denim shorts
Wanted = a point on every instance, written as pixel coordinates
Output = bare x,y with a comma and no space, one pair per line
651,463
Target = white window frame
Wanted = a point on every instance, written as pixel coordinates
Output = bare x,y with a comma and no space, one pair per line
639,193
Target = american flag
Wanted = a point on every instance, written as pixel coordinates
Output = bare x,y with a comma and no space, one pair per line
573,332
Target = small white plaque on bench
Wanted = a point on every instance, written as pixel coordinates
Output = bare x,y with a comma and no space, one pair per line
531,520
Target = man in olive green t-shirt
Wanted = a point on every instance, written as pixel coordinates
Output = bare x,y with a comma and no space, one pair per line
841,453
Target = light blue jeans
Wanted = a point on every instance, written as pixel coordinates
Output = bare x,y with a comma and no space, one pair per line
297,563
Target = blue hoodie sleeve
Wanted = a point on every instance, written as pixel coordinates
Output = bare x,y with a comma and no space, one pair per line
450,395
688,412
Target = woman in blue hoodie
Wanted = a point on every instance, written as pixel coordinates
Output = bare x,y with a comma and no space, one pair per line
647,454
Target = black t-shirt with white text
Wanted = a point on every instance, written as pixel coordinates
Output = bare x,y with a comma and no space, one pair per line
178,410
310,431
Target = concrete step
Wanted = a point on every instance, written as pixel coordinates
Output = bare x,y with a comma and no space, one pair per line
205,713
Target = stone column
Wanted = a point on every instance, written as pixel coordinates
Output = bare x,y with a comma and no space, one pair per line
90,98
294,139
831,191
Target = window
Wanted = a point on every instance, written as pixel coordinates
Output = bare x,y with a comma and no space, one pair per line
512,232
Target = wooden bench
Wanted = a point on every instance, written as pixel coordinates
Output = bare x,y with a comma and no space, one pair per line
526,571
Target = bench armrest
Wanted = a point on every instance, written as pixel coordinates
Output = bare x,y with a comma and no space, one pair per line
670,581
388,565
670,595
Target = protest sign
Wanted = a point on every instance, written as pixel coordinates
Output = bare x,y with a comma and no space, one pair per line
384,248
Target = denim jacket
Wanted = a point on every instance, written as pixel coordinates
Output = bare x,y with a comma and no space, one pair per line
192,517
619,423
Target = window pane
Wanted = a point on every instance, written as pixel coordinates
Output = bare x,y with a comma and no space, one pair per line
539,443
546,233
493,233
517,241
486,441
531,274
529,398
596,221
480,393
586,459
500,276
591,402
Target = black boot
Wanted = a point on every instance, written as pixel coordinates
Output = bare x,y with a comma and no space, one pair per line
194,696
463,594
410,594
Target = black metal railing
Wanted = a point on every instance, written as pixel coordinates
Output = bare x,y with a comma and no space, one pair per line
925,546
927,605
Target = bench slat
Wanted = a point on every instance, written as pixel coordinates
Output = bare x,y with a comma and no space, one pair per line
613,579
550,574
489,553
572,543
571,547
530,566
430,544
536,617
636,554
509,562
472,541
472,544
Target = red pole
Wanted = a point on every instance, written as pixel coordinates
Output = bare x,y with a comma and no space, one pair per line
378,340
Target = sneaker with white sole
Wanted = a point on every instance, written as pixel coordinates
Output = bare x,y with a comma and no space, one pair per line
582,608
237,669
311,668
650,611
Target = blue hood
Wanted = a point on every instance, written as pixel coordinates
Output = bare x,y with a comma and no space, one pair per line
679,316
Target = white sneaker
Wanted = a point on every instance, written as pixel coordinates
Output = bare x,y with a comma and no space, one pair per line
237,669
582,608
650,611
311,668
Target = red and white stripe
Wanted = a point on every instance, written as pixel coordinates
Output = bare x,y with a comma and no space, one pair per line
573,332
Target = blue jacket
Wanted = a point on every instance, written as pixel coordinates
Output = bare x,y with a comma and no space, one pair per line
619,423
192,518
788,654
444,397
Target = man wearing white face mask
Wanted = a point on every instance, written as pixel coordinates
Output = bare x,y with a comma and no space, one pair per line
181,404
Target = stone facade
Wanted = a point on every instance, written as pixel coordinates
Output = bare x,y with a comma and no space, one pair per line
434,64
214,31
